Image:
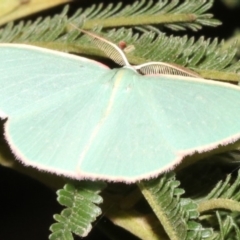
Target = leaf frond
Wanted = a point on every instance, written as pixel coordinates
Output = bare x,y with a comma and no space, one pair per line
176,15
228,228
80,200
203,56
230,189
225,198
177,215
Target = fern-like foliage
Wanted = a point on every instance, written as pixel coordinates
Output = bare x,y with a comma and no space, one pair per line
173,14
225,196
176,214
80,200
203,56
228,227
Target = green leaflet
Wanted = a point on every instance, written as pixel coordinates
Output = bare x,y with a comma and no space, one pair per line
225,197
175,15
175,214
80,200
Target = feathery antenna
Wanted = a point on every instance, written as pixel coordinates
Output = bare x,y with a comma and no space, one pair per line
109,48
117,55
152,68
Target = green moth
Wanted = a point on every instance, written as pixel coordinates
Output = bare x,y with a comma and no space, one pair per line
73,116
